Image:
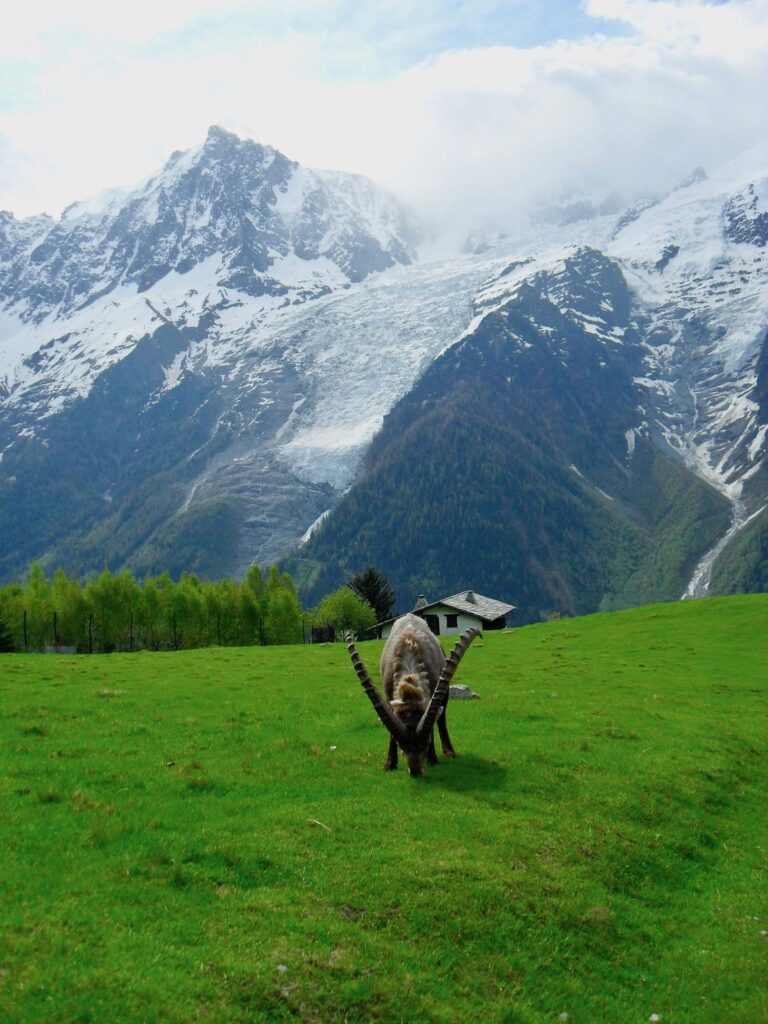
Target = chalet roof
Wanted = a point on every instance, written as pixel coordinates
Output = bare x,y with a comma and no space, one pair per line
467,602
471,603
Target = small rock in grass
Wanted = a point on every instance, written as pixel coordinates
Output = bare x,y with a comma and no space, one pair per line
461,692
282,968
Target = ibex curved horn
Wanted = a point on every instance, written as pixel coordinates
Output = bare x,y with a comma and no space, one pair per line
441,690
380,706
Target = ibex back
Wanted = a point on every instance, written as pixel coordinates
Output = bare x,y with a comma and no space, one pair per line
416,678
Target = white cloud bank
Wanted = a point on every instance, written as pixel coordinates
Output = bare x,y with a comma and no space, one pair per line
500,128
100,102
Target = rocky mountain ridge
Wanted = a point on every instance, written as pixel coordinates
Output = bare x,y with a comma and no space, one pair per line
247,204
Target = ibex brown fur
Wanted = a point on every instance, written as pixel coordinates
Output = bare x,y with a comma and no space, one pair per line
416,678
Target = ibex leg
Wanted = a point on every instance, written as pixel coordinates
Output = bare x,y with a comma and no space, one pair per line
445,739
391,763
431,752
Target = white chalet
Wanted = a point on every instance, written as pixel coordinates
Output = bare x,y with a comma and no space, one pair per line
456,613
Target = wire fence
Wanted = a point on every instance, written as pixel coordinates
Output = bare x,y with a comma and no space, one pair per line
91,633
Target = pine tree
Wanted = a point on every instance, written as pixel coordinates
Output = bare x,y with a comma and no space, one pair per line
373,586
6,639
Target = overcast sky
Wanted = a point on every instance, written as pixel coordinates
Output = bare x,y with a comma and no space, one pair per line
455,104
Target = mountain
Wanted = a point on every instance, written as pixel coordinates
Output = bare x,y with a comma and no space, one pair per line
142,388
241,354
598,434
272,228
524,457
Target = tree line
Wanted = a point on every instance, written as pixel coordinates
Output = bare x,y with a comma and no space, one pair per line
115,612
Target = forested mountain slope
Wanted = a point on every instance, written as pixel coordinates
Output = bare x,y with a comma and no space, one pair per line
521,465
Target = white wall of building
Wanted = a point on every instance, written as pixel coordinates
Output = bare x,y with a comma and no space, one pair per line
463,621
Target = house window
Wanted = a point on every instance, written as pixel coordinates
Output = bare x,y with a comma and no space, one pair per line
451,621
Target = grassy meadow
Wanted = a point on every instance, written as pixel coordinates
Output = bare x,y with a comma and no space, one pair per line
209,835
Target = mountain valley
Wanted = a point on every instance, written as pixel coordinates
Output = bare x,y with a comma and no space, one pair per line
243,360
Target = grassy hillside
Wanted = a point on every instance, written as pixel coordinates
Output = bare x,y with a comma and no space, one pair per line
209,834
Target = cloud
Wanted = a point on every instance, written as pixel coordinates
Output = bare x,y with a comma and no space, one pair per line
43,27
478,132
633,113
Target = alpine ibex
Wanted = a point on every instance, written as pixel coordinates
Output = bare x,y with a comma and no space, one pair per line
416,678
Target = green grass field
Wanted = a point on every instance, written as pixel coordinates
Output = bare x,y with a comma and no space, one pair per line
209,835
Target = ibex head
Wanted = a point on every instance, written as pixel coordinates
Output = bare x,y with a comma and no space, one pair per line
416,677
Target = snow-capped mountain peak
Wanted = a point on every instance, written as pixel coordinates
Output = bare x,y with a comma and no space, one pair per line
230,224
229,196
